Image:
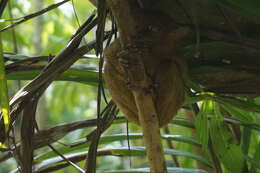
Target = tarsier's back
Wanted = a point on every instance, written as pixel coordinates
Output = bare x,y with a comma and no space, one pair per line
164,68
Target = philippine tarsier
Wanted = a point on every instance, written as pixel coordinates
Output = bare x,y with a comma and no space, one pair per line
164,67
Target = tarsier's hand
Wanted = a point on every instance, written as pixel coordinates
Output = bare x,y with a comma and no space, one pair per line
130,59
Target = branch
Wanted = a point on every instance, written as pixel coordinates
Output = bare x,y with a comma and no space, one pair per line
27,132
2,6
30,16
53,70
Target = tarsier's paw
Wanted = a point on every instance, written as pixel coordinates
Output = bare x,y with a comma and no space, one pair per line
132,86
130,60
148,90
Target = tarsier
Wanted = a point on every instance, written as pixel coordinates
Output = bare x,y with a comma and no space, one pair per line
165,68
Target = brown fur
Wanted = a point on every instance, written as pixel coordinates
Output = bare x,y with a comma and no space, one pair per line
164,66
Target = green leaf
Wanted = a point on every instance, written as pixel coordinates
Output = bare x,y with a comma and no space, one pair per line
120,151
181,138
18,57
146,170
233,158
86,75
232,101
112,138
4,99
191,84
229,153
183,122
194,99
256,160
241,115
201,123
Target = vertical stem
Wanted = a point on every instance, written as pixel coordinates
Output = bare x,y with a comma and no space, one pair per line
27,132
246,144
170,145
4,98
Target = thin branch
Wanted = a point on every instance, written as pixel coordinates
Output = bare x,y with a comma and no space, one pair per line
102,124
76,158
58,65
170,145
77,18
53,134
48,136
27,132
15,46
30,16
59,154
53,70
128,143
38,59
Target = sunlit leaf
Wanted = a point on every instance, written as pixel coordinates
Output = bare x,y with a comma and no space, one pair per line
112,138
201,123
241,115
246,105
229,153
146,170
120,151
86,76
4,99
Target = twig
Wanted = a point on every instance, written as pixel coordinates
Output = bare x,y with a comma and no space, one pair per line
59,154
15,46
30,16
2,6
77,18
58,65
90,164
170,145
72,158
102,124
102,13
54,69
